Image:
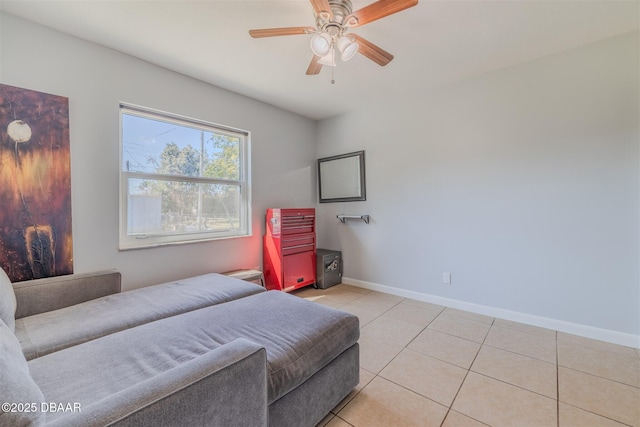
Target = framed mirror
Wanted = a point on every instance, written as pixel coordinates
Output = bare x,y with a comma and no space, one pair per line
341,178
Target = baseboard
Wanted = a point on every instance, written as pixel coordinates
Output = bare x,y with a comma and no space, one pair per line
607,335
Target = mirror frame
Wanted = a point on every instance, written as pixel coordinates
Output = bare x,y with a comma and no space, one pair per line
358,174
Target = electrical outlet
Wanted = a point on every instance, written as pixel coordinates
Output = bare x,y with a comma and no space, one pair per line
446,278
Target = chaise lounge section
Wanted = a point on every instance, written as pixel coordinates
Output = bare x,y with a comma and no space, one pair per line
268,358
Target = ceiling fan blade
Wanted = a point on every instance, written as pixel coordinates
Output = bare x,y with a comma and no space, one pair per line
286,31
322,6
373,52
314,66
378,10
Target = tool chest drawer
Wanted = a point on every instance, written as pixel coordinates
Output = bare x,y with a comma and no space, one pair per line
291,221
299,243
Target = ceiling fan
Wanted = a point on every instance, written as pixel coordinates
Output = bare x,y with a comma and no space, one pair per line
334,18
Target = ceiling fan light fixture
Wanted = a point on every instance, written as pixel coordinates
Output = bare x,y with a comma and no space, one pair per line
348,47
321,44
329,59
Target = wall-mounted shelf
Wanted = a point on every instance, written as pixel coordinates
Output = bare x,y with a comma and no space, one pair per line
344,218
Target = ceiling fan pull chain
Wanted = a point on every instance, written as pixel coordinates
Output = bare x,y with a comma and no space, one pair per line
333,80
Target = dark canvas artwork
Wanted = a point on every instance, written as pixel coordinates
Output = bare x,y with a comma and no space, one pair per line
35,184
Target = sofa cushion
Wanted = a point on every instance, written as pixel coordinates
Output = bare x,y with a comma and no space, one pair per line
7,301
300,338
44,333
17,388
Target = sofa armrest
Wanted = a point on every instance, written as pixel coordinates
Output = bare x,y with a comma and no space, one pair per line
223,387
51,293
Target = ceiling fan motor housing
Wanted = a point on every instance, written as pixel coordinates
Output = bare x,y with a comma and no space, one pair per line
336,24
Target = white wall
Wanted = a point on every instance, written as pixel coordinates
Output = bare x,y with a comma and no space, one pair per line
523,183
95,80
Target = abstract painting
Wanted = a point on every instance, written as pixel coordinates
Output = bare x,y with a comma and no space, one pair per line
35,185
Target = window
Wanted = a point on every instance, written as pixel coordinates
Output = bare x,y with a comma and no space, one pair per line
181,180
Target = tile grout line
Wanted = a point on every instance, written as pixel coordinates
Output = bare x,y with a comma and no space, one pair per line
465,378
343,420
597,376
512,385
379,315
520,354
622,423
557,383
375,373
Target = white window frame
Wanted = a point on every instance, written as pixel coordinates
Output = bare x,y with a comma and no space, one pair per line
127,241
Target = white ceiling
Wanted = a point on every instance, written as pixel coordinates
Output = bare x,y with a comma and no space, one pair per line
434,43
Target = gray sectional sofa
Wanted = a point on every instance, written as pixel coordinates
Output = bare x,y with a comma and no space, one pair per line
205,351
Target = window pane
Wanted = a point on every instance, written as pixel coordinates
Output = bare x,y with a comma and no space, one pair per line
168,148
167,207
223,157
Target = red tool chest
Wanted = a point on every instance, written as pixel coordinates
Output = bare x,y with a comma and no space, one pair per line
289,250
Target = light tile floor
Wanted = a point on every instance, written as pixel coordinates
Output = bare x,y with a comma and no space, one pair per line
427,365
